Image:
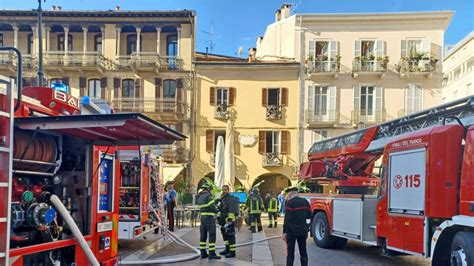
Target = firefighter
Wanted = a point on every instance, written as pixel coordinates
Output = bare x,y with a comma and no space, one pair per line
208,212
295,226
229,209
255,206
272,209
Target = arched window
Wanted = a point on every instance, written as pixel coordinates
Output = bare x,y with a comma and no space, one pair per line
61,42
132,43
29,47
94,88
98,43
169,89
128,88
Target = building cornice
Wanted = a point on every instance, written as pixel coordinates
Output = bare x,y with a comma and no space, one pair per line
459,45
98,14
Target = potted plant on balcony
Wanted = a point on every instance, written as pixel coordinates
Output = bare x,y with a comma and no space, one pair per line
310,58
383,60
433,62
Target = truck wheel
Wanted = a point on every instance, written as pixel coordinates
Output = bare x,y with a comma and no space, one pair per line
321,234
462,249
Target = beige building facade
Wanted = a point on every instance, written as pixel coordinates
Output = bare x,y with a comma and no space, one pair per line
360,69
458,69
138,61
261,100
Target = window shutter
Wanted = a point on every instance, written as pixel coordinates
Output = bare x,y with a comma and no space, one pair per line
262,142
404,48
209,141
357,48
158,82
285,138
116,87
82,86
179,83
418,97
426,46
103,87
332,103
312,49
356,98
333,50
264,97
179,94
311,99
212,96
284,96
379,49
378,103
231,95
137,87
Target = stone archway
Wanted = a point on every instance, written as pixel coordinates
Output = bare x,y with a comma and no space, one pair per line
273,182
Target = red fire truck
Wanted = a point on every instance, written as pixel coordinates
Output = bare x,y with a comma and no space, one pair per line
59,178
423,203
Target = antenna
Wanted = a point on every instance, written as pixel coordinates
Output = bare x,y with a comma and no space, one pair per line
240,51
210,40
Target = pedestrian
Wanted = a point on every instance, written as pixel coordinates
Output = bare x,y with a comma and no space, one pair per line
296,226
170,200
267,198
208,212
228,209
272,209
281,200
255,206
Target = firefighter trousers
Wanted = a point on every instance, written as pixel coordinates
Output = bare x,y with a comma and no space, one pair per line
256,222
290,249
229,241
208,227
272,218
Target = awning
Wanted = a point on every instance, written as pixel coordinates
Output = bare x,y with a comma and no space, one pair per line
170,172
120,129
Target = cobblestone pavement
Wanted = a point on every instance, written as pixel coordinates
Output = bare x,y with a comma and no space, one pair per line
353,254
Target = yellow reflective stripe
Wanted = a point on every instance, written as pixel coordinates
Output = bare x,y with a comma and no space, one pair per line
208,213
206,204
231,216
212,246
226,242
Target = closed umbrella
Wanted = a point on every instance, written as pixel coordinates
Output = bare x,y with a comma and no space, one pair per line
229,161
219,165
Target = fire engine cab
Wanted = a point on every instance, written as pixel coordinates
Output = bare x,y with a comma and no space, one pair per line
423,201
60,174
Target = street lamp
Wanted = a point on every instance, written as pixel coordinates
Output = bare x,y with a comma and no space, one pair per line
40,44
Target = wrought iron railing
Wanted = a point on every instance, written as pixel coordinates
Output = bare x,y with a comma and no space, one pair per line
272,159
221,111
274,112
150,105
323,66
417,65
366,116
369,66
321,116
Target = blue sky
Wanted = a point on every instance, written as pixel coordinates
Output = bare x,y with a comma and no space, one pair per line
237,23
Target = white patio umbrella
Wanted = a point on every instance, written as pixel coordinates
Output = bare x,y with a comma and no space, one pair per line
219,164
229,158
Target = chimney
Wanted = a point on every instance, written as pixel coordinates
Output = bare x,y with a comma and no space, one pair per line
277,15
117,8
252,52
259,40
59,8
285,10
53,7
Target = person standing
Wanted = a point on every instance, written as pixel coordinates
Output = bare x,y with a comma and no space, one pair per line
170,199
208,212
229,209
272,209
295,226
281,200
255,206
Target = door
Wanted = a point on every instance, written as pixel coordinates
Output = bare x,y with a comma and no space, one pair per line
172,50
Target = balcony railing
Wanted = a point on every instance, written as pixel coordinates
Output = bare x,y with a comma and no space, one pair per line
150,105
73,58
323,66
150,60
426,64
171,63
363,65
273,112
173,154
365,116
28,61
272,159
323,117
221,112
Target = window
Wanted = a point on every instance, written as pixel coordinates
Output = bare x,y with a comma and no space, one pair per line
367,100
272,141
413,98
132,43
211,139
172,50
322,102
273,96
1,39
61,42
222,96
415,47
319,135
368,103
94,88
217,134
370,49
169,89
98,43
128,88
29,45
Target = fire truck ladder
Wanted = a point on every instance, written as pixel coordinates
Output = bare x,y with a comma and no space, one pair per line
6,148
462,109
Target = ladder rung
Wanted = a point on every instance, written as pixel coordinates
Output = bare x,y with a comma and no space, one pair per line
4,114
3,184
3,219
3,149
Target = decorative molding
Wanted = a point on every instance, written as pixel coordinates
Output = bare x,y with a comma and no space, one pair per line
248,140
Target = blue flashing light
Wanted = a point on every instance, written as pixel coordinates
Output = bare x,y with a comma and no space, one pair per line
60,87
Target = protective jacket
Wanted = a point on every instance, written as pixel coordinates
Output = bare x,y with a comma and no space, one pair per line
207,204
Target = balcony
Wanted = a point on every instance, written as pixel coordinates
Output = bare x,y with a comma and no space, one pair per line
369,66
319,68
314,118
221,112
9,60
409,66
146,61
73,59
272,159
365,117
274,112
157,108
174,154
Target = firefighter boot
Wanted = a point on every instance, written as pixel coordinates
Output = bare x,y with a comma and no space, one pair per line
225,251
204,254
275,225
213,256
270,226
231,254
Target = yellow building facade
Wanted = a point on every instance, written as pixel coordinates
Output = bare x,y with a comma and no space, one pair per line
261,99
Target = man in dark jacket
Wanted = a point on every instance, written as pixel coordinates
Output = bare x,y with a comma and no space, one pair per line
295,226
229,209
208,212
